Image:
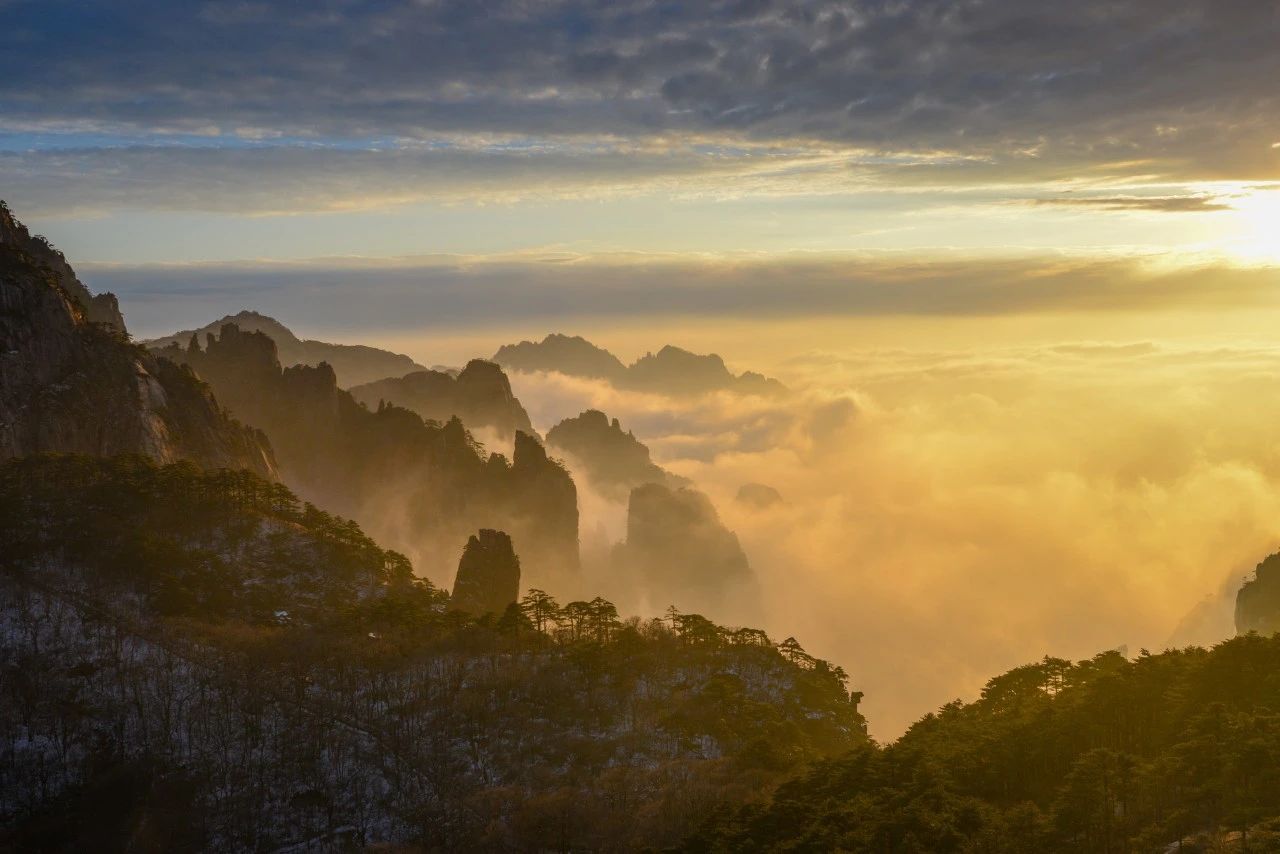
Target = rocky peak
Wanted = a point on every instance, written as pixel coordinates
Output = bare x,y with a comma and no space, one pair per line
680,549
488,578
102,308
613,459
571,355
480,394
1258,602
70,384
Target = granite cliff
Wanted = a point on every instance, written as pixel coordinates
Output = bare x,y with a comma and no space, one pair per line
488,580
70,381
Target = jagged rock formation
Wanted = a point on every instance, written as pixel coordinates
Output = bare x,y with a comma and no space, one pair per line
98,308
480,394
1258,602
681,550
670,371
74,384
613,460
488,579
675,371
419,487
571,355
353,364
758,496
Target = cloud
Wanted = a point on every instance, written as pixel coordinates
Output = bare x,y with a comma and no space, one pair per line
564,289
951,514
1179,88
1155,204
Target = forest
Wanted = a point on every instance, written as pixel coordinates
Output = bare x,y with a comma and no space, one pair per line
1176,751
196,659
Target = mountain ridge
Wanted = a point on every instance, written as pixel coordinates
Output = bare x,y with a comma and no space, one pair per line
354,364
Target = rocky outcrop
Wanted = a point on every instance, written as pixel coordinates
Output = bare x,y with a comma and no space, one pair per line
1258,602
353,364
419,487
480,394
571,355
758,496
679,548
670,371
488,579
71,384
98,308
613,460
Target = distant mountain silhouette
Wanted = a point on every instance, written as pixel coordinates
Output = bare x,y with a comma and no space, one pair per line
678,549
613,460
70,381
758,496
419,487
574,356
671,371
353,364
479,394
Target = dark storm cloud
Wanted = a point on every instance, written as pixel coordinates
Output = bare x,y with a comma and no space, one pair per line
1177,87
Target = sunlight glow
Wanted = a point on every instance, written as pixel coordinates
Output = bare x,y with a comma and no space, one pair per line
1257,217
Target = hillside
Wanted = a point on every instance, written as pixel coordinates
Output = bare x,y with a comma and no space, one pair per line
199,660
1172,752
353,364
71,381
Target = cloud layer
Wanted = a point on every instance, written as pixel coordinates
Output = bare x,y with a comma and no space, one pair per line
929,91
952,514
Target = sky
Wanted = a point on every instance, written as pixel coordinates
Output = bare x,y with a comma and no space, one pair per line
1020,262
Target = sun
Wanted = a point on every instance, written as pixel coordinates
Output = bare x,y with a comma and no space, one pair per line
1256,234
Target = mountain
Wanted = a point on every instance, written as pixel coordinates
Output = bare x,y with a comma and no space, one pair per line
614,461
198,661
670,371
103,309
70,382
354,364
479,394
574,356
422,488
488,580
678,372
1258,602
679,551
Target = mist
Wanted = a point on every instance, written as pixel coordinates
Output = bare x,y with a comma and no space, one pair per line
949,514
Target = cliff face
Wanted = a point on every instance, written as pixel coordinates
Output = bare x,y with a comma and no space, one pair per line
614,461
480,395
488,577
680,550
354,364
419,487
72,384
1258,602
100,308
